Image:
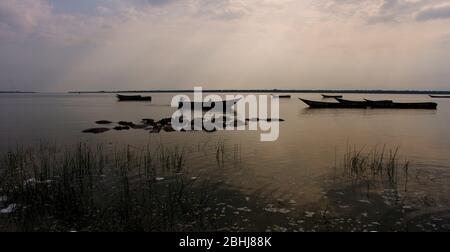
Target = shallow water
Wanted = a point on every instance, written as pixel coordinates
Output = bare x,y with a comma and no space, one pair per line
299,167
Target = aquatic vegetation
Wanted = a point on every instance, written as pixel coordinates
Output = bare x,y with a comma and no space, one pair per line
88,188
379,166
152,188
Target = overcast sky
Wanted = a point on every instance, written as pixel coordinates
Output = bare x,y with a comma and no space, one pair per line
59,45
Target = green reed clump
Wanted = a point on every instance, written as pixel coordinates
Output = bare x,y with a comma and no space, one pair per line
377,166
90,188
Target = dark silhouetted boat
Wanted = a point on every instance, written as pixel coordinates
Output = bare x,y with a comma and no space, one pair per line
316,104
370,104
134,98
332,96
353,104
398,105
440,96
282,96
208,105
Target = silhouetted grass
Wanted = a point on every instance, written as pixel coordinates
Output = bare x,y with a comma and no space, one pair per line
90,189
377,166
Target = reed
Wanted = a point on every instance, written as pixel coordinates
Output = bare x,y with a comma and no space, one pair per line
91,189
377,166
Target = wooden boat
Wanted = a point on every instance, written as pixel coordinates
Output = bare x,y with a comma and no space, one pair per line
316,104
380,103
332,96
207,105
354,104
440,96
133,98
398,105
282,96
370,104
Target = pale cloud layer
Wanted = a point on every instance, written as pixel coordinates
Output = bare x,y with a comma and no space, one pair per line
148,44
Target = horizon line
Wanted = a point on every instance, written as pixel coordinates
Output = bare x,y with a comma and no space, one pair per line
380,91
374,91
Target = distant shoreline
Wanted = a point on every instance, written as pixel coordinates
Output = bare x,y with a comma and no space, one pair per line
275,91
16,92
325,91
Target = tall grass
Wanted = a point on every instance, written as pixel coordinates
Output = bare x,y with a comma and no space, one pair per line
90,188
377,166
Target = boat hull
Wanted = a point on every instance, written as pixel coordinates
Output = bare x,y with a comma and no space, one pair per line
325,105
332,96
206,106
440,96
133,98
282,96
398,105
370,104
355,104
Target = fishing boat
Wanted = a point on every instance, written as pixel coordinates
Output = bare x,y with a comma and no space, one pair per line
134,98
282,96
332,96
316,104
207,105
387,104
398,105
354,104
440,96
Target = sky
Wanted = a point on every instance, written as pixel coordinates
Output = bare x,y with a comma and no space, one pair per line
61,45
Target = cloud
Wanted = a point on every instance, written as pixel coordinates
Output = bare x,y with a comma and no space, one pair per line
143,44
225,9
435,12
23,15
386,11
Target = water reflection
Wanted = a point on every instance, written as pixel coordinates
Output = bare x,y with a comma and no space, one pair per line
299,167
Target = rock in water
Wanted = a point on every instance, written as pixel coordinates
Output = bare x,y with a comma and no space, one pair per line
123,123
155,130
103,122
168,128
96,130
119,128
165,121
148,122
139,126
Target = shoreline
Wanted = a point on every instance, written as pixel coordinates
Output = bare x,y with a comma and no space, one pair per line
17,92
326,91
274,91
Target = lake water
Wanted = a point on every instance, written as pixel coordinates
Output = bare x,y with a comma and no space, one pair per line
298,168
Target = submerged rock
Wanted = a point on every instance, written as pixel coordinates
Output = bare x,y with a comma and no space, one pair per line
155,130
96,130
124,123
139,126
103,122
168,128
148,122
120,128
165,121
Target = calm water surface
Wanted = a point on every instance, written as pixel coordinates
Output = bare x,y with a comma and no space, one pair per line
297,168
